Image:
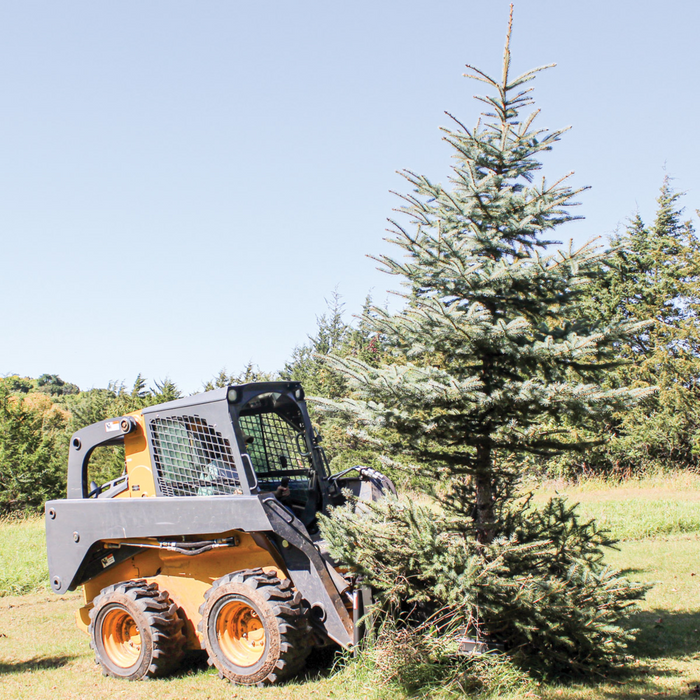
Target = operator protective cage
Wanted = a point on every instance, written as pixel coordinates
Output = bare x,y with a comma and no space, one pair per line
215,443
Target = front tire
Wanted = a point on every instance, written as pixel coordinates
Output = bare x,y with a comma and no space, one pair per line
135,631
254,628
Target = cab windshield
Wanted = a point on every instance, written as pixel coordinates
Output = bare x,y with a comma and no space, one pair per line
273,430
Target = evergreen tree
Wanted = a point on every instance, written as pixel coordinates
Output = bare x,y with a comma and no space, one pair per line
654,273
251,373
307,365
37,418
165,391
489,361
96,405
221,380
33,451
139,391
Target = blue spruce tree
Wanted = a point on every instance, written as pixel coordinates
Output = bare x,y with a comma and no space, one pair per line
489,361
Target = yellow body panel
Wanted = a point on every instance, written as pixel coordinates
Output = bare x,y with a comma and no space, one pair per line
139,468
185,578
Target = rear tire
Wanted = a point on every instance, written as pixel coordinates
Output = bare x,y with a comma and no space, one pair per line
254,628
135,631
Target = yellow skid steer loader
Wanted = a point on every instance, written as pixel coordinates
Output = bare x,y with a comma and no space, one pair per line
209,539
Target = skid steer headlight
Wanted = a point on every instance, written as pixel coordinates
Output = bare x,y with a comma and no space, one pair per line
232,395
299,394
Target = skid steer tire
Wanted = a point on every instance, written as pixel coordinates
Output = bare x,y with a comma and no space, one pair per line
135,631
254,628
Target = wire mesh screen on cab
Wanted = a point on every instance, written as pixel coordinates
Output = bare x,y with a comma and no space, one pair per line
273,429
192,459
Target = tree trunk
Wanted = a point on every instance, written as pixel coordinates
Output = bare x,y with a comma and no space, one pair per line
485,516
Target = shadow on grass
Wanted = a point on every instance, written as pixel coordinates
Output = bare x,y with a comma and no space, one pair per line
194,662
648,691
318,665
640,686
38,663
664,633
632,571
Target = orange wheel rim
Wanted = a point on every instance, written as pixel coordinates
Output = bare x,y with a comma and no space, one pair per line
240,633
121,637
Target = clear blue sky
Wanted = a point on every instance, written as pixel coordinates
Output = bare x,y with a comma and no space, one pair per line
182,183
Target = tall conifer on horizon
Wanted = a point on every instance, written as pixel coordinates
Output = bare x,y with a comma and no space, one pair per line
489,356
488,361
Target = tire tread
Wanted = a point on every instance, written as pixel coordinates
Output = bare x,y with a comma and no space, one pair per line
286,605
159,613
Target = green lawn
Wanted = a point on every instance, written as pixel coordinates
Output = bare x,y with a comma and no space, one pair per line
637,509
23,567
42,654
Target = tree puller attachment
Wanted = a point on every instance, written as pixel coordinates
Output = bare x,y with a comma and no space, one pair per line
209,539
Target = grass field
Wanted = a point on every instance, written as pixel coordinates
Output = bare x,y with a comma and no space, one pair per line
23,567
43,655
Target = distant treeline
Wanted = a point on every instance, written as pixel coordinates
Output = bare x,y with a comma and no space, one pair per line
38,416
653,274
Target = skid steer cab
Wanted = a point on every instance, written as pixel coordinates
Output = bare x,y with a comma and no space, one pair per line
209,539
